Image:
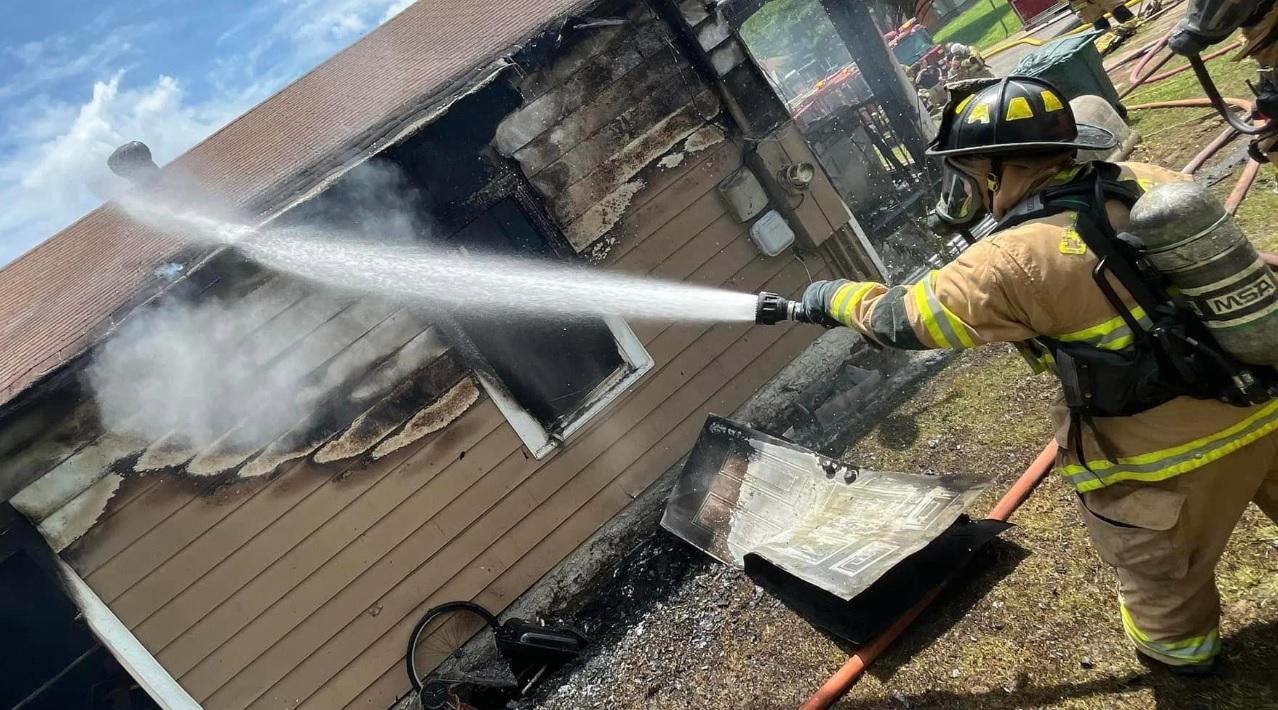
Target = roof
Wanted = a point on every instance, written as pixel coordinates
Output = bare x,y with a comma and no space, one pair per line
56,297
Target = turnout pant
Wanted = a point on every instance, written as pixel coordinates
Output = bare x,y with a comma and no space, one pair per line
1164,538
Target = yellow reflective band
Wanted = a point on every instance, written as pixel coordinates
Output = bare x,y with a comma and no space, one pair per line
980,114
963,104
1187,651
1019,108
847,299
1065,176
946,328
1113,334
841,297
928,316
1165,463
1051,102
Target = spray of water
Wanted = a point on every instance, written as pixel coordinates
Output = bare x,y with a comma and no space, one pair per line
445,277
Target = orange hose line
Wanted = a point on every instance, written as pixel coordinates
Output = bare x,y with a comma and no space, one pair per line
1243,104
1220,141
1240,191
838,684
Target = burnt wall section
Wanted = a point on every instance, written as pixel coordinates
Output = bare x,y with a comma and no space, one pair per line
335,363
612,117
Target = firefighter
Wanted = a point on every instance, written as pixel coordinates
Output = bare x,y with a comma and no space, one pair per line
1160,487
965,62
1092,12
930,85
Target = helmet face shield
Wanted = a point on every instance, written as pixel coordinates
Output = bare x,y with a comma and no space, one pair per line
963,197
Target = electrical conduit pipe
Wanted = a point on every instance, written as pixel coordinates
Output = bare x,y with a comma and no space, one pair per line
839,683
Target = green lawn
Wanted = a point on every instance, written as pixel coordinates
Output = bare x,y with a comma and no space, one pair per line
983,25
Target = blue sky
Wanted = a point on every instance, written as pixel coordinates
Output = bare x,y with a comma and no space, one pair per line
78,78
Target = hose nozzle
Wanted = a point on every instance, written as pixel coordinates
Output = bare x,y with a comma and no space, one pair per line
773,309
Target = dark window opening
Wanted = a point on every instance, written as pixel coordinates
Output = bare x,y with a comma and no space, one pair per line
551,368
53,659
460,192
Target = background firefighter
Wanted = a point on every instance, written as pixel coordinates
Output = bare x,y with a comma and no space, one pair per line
1160,489
1092,12
964,62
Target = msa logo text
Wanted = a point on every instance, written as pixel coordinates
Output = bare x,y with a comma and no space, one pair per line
1241,298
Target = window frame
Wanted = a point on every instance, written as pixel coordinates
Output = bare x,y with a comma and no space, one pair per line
541,440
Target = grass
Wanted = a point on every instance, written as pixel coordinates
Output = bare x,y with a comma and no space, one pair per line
982,25
1034,622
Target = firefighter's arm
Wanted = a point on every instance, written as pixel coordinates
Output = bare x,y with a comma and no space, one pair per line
963,304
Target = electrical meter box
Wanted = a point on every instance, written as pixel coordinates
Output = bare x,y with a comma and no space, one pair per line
771,233
743,194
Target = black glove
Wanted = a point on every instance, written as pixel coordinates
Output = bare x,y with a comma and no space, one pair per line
1185,42
816,303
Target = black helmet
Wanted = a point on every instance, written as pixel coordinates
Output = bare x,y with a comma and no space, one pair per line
1018,114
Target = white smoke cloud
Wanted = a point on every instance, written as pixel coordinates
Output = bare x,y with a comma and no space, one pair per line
196,373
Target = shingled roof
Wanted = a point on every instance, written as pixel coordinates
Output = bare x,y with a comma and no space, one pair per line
57,297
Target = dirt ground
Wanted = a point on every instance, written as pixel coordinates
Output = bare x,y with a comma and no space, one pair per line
1032,624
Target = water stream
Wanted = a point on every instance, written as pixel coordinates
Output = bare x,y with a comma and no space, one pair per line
445,277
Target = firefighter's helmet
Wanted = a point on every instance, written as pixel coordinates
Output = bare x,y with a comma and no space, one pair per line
1014,115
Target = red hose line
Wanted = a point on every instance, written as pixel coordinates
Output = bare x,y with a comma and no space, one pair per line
843,679
1134,76
1131,56
1138,79
1245,182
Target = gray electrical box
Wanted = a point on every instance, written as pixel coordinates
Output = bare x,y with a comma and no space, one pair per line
772,234
743,194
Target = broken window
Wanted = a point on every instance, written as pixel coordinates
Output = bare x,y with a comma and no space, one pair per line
57,661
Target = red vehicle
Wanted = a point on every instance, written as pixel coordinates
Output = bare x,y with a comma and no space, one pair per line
913,45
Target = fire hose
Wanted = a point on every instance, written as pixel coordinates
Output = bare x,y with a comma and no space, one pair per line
1141,76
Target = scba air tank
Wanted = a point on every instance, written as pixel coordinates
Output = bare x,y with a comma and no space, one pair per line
1190,238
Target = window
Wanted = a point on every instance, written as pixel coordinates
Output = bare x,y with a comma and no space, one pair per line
548,377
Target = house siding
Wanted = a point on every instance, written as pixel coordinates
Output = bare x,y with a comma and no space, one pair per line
291,575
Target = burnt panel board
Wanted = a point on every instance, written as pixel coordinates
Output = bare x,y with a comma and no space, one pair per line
823,521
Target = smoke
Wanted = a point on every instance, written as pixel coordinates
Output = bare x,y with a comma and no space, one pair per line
191,373
180,372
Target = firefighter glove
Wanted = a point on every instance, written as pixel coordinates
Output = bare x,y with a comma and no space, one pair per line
816,302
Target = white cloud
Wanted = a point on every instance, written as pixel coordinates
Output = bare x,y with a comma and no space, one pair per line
53,153
397,7
62,174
